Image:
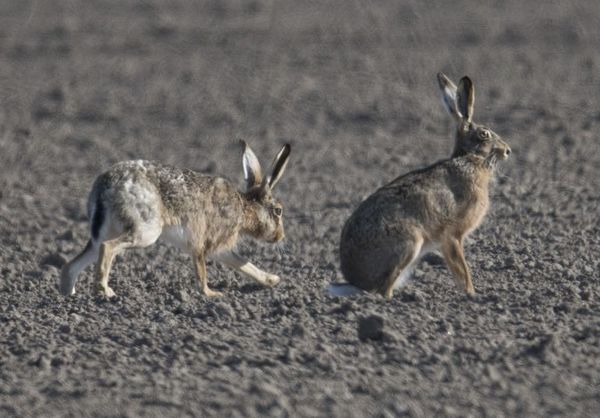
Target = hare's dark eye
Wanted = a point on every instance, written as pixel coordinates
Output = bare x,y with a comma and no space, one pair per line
278,212
485,134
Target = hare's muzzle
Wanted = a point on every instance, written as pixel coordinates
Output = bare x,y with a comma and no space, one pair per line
279,235
502,150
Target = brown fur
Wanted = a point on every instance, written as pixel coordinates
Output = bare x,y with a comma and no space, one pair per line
142,201
434,207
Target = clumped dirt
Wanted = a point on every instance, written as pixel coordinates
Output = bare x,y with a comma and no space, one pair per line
352,86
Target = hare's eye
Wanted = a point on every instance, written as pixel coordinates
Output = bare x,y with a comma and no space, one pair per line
278,212
485,134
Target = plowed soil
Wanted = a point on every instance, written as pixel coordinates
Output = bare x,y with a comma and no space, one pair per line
351,85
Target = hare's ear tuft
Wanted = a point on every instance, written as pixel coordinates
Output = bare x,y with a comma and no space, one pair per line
278,166
465,98
448,95
252,169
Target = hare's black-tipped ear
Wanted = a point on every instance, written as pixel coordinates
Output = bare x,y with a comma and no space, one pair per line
278,166
448,95
252,170
465,98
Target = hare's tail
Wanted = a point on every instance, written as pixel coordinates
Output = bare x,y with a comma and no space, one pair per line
343,289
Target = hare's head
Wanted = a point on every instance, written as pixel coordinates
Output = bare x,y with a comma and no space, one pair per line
471,137
263,213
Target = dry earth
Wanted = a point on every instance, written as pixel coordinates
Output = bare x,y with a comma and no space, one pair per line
84,84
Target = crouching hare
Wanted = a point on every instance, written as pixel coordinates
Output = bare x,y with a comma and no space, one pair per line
424,210
135,203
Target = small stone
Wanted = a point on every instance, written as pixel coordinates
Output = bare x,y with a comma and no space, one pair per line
182,296
370,328
450,411
493,373
562,307
433,259
75,318
412,295
43,362
290,355
57,362
265,388
66,236
298,331
544,347
510,261
65,328
445,327
393,337
223,310
344,308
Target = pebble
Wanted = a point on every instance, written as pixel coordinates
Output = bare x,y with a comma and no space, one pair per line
370,328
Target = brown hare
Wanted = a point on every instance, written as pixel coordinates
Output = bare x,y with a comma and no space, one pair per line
135,203
424,210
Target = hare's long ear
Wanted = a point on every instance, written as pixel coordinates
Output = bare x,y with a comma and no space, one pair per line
252,170
465,98
448,95
278,166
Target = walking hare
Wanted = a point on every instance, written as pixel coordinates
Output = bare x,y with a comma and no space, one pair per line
135,203
427,209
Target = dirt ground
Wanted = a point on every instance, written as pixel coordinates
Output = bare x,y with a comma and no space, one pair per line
351,85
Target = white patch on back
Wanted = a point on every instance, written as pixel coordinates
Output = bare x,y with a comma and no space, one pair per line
140,192
140,165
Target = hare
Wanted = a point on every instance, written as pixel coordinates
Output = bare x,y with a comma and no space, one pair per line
135,203
424,210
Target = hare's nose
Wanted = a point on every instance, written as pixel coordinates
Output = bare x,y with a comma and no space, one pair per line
507,151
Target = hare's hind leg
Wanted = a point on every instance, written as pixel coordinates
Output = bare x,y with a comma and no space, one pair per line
73,268
108,250
202,277
234,260
145,237
401,273
452,250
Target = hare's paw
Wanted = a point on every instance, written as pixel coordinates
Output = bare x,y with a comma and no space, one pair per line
272,280
209,293
67,285
66,291
106,291
66,288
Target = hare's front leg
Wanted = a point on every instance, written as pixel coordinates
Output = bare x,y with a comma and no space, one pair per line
452,250
202,277
242,265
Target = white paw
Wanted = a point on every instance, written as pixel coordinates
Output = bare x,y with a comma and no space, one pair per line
272,280
212,293
107,292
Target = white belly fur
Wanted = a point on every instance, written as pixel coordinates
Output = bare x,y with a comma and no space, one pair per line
176,235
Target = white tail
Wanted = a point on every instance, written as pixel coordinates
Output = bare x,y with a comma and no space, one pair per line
343,289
